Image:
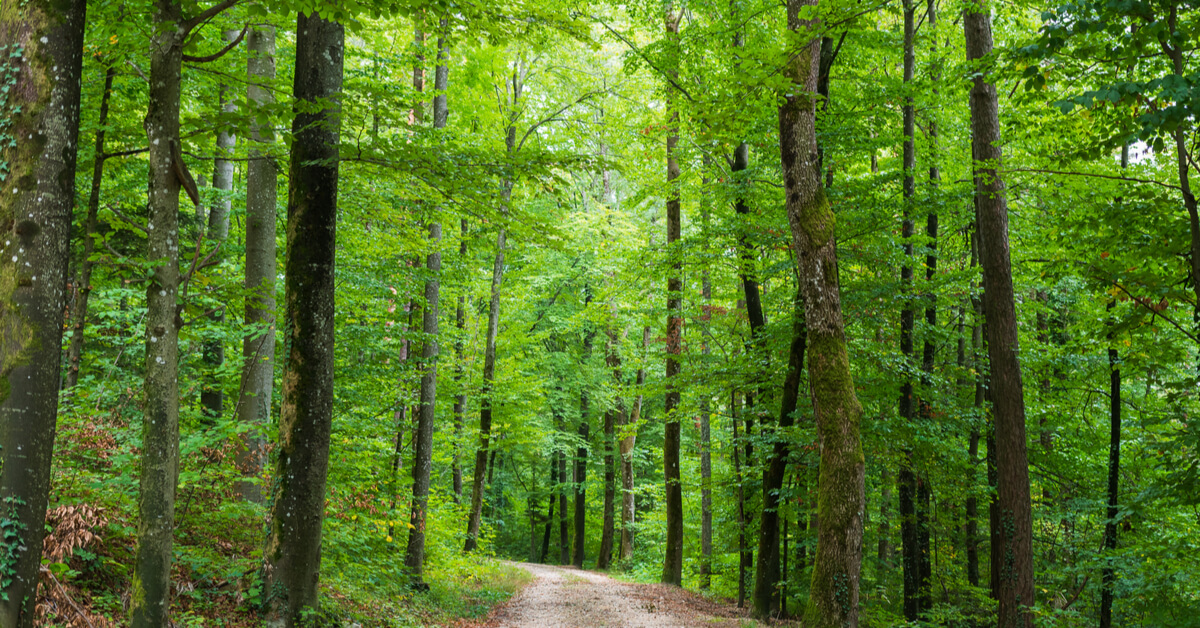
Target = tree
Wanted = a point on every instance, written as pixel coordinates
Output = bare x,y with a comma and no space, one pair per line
833,598
258,347
1007,391
414,557
672,572
292,557
41,70
160,427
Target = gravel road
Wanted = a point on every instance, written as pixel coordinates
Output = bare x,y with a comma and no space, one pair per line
570,598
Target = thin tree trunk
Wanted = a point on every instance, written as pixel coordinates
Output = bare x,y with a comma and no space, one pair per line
581,456
258,347
545,554
160,428
485,411
414,557
460,371
42,63
212,399
1016,594
833,599
672,572
292,557
972,506
706,540
743,546
627,445
611,417
79,320
1108,573
564,516
766,580
910,533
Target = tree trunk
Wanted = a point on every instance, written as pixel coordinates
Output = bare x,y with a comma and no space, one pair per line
485,409
766,579
834,590
545,554
627,445
706,540
43,64
910,515
92,226
460,371
414,558
293,551
611,417
258,347
581,456
672,572
743,546
1108,573
212,399
1016,593
972,506
160,428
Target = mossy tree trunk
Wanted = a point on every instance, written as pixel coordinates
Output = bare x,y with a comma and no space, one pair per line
1015,583
293,551
160,428
42,46
834,589
258,347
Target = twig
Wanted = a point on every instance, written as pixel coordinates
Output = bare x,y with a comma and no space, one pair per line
67,597
220,53
1098,176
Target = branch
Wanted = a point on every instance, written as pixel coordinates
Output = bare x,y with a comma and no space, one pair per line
125,153
1097,176
554,116
188,25
66,597
1154,312
641,54
220,53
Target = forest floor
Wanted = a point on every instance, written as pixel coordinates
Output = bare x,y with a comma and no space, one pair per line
562,597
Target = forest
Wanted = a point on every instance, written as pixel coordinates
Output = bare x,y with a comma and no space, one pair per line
332,312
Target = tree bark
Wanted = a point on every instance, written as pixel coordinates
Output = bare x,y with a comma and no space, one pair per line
414,558
672,572
706,540
766,580
611,417
258,347
160,428
43,48
627,445
834,590
92,226
293,551
212,399
485,410
564,518
1016,593
581,455
1108,573
460,370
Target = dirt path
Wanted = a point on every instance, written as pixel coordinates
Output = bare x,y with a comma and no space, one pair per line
571,598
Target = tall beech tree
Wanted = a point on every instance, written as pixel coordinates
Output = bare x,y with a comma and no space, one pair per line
833,598
672,572
258,347
1015,587
160,428
414,557
41,70
292,556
